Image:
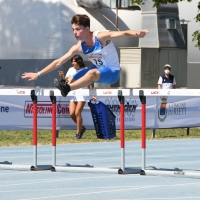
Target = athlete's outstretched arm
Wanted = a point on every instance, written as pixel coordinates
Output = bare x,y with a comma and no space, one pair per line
115,34
52,66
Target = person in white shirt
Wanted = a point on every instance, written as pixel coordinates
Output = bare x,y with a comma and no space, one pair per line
77,102
167,80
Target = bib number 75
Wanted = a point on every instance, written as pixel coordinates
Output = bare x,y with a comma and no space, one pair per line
98,61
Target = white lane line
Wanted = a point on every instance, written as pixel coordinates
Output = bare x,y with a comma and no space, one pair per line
99,148
135,143
48,155
109,191
17,172
89,188
173,198
172,163
115,158
71,161
26,182
85,160
60,189
100,152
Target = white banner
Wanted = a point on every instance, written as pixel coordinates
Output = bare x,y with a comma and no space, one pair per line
16,112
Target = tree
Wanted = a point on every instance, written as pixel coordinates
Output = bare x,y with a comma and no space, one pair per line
157,3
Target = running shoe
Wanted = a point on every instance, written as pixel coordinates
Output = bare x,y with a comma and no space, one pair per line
80,135
62,86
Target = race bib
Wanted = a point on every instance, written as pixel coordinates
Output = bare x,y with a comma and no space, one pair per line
97,59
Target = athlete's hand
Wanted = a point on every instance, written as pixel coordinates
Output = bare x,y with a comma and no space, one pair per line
142,33
30,76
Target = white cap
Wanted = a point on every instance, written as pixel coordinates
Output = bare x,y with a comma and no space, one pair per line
167,65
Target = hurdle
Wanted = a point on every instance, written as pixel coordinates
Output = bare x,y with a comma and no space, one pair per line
89,168
158,92
35,166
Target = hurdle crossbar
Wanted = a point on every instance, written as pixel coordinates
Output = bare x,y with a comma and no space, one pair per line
154,171
35,166
166,92
89,168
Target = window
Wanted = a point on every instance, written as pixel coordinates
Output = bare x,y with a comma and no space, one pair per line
171,23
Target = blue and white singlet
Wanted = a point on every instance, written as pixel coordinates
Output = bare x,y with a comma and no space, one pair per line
102,56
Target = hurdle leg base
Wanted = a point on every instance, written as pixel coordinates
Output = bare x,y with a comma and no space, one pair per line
142,172
40,167
6,163
92,169
25,167
72,165
53,169
173,173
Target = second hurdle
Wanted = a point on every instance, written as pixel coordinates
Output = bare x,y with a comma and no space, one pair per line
89,168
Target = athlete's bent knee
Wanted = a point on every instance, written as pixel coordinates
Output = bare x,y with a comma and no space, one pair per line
94,74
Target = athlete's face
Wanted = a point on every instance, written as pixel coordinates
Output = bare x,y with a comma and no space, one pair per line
79,31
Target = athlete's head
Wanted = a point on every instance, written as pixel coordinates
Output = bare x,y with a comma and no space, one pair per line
80,26
77,62
82,20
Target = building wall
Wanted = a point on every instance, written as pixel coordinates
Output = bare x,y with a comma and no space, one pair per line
188,12
141,67
153,61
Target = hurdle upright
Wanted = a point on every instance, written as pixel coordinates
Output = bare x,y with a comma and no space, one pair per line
34,167
158,92
90,168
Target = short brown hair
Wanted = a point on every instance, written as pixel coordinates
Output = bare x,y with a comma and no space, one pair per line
82,20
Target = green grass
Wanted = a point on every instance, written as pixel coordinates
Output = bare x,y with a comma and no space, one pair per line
24,138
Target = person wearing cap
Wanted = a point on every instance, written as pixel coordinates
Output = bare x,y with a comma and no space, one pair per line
167,80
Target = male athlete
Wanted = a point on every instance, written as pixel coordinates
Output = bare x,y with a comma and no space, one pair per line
100,51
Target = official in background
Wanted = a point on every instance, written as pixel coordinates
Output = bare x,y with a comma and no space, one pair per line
167,80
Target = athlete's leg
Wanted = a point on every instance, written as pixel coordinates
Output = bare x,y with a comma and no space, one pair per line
79,119
83,72
72,109
101,75
84,77
92,75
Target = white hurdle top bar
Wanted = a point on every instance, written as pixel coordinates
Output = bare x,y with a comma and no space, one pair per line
167,92
128,92
87,92
101,92
20,91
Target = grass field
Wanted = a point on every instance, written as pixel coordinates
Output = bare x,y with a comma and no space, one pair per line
24,138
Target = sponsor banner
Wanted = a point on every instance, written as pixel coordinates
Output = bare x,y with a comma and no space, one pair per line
177,112
44,109
161,112
132,111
